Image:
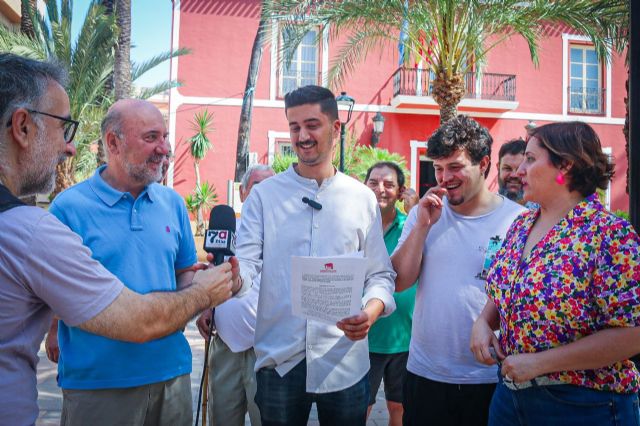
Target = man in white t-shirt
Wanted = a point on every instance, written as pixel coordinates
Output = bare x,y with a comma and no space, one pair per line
448,243
232,379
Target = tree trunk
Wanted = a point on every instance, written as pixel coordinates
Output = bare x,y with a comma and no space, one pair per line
448,93
122,59
199,214
244,128
625,131
27,7
65,177
108,87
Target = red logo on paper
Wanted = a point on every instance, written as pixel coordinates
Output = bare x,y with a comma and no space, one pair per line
328,267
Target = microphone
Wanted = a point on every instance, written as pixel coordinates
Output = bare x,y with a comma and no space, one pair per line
313,204
220,239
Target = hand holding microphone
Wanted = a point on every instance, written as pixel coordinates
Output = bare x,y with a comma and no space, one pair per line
220,241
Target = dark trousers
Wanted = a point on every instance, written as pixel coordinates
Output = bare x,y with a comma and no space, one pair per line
427,402
285,401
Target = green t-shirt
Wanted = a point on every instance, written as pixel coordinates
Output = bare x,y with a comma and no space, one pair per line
391,335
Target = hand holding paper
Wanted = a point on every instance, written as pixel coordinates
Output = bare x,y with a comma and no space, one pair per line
357,327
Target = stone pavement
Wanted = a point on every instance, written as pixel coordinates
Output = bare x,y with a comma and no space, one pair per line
50,396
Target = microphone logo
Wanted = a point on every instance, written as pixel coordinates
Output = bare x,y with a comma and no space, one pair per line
219,239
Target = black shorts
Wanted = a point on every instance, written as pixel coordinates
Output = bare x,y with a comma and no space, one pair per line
393,367
428,402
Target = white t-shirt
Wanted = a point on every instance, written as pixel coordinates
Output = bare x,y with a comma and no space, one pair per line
451,294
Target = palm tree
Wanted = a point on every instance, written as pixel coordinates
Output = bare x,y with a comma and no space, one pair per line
449,37
244,127
122,63
27,7
90,61
199,145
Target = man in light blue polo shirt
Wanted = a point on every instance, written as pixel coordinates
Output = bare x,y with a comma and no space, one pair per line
140,232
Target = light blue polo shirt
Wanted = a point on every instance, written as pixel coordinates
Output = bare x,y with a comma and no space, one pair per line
143,242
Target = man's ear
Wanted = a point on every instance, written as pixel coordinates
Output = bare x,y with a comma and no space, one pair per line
21,127
336,128
111,142
485,163
243,194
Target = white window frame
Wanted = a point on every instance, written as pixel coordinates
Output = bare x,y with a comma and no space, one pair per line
297,59
584,108
275,86
566,44
274,136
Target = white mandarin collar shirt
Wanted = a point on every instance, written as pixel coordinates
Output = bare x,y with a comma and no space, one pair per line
277,225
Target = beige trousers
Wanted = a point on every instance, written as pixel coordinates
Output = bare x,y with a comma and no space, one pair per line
165,403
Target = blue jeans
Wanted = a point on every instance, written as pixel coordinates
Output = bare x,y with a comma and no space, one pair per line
285,401
562,405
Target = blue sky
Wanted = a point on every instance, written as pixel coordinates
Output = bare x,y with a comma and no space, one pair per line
150,33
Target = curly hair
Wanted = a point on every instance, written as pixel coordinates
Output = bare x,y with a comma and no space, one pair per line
458,133
576,143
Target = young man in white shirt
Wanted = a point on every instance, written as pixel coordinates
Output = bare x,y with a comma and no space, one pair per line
448,242
304,361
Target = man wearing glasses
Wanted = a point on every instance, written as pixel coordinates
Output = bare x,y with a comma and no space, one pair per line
140,231
44,267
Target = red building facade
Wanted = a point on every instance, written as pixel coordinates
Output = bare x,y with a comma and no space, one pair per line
570,83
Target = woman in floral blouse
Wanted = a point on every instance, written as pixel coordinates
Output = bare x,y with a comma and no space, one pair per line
563,291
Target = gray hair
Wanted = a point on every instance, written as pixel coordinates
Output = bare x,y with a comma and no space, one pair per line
24,82
112,121
255,168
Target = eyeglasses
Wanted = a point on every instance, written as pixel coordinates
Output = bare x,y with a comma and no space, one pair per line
70,126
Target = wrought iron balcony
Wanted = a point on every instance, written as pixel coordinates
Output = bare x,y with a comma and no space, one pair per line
584,100
489,86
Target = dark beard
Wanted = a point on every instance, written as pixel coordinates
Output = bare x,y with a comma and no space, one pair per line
517,196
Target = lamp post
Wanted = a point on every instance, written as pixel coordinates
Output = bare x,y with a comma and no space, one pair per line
529,127
378,128
345,104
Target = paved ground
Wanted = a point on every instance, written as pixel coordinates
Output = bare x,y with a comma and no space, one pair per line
50,397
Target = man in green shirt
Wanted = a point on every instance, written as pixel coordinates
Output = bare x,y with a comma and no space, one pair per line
389,337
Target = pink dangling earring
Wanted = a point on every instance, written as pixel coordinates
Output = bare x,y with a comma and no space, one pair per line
560,179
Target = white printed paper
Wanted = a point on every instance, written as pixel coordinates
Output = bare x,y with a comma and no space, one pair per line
327,289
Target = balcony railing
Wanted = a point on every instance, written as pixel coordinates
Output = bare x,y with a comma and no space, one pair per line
583,100
490,86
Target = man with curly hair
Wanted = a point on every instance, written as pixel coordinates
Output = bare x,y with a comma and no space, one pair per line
447,243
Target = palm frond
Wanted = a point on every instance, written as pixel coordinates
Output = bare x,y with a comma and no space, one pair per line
147,92
138,70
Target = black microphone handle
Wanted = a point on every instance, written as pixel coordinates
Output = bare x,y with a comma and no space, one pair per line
218,258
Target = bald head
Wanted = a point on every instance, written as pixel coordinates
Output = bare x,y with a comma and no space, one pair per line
135,137
125,112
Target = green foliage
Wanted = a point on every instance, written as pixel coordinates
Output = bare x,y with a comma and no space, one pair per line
350,142
203,197
199,143
282,162
623,214
89,61
366,156
449,36
357,158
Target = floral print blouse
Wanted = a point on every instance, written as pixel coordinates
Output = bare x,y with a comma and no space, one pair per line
581,277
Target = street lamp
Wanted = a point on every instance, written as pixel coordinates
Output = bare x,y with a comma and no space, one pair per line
345,104
530,126
378,128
